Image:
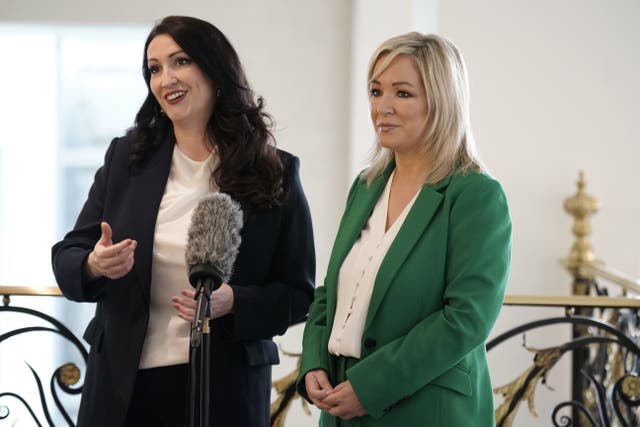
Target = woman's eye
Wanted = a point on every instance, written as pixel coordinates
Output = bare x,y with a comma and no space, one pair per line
375,92
403,94
183,61
154,69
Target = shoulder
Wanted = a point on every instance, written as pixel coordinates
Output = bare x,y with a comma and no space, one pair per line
476,192
290,168
473,183
289,161
291,183
119,148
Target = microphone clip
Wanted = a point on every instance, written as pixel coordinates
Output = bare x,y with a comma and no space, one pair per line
206,279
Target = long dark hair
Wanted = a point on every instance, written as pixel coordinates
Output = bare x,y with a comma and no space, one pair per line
249,169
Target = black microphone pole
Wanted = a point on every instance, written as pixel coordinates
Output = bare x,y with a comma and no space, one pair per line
206,279
212,245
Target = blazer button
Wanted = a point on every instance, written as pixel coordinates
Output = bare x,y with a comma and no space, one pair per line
369,343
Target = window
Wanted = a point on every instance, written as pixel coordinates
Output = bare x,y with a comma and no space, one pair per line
67,92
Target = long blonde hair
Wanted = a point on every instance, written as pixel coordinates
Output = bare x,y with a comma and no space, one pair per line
449,142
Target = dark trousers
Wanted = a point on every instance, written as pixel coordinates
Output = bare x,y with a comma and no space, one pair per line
159,398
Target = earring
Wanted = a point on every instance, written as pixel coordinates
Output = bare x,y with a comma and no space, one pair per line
218,92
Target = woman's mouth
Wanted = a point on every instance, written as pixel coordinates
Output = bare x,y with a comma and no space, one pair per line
175,97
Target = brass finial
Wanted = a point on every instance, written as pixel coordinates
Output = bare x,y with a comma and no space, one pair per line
581,206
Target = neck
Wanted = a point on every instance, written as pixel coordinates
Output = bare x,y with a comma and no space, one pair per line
412,167
193,143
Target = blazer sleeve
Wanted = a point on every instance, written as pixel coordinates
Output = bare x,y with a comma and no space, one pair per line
477,265
68,256
285,299
314,342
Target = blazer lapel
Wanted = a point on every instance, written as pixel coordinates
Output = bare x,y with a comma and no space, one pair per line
148,183
412,229
352,224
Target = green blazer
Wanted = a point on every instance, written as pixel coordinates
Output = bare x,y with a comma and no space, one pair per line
436,297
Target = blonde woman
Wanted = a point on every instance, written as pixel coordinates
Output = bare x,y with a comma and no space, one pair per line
396,336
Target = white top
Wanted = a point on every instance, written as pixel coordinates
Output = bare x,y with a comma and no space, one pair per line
167,339
358,274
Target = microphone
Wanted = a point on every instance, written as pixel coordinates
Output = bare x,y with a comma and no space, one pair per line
212,247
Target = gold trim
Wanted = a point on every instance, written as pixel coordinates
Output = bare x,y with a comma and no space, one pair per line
571,301
581,207
31,290
524,387
69,374
608,273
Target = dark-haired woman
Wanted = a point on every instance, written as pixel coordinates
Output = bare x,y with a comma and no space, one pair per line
199,130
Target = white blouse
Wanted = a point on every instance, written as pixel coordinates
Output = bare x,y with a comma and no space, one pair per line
358,274
167,339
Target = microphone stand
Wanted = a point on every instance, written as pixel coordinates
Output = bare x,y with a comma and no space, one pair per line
200,356
206,279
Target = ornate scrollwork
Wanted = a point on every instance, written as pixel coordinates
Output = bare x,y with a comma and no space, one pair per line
565,420
64,377
630,387
600,412
524,386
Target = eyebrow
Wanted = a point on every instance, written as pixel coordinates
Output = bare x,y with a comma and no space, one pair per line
170,55
395,83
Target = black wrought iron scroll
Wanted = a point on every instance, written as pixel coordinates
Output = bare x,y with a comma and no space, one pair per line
616,401
64,378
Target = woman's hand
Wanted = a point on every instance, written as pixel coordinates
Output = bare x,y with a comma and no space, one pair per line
221,302
318,387
109,260
344,403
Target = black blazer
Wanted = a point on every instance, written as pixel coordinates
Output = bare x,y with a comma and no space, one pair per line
272,282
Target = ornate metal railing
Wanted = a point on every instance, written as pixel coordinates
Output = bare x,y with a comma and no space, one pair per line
63,378
612,397
588,272
612,371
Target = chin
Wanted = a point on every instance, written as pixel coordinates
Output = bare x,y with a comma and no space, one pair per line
389,145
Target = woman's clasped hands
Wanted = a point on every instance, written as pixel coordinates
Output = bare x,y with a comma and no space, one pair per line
340,401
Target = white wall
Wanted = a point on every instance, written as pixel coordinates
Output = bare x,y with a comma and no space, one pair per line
554,90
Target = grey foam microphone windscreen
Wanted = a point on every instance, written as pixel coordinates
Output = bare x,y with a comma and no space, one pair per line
214,234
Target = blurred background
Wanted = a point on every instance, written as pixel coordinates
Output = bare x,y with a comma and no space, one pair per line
554,91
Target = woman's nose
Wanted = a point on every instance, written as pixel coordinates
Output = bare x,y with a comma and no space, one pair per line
385,106
168,79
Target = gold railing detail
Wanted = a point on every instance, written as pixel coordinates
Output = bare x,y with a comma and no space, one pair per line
8,291
600,270
571,301
581,206
526,384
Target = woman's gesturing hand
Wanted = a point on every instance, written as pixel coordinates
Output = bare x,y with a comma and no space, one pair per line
108,259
